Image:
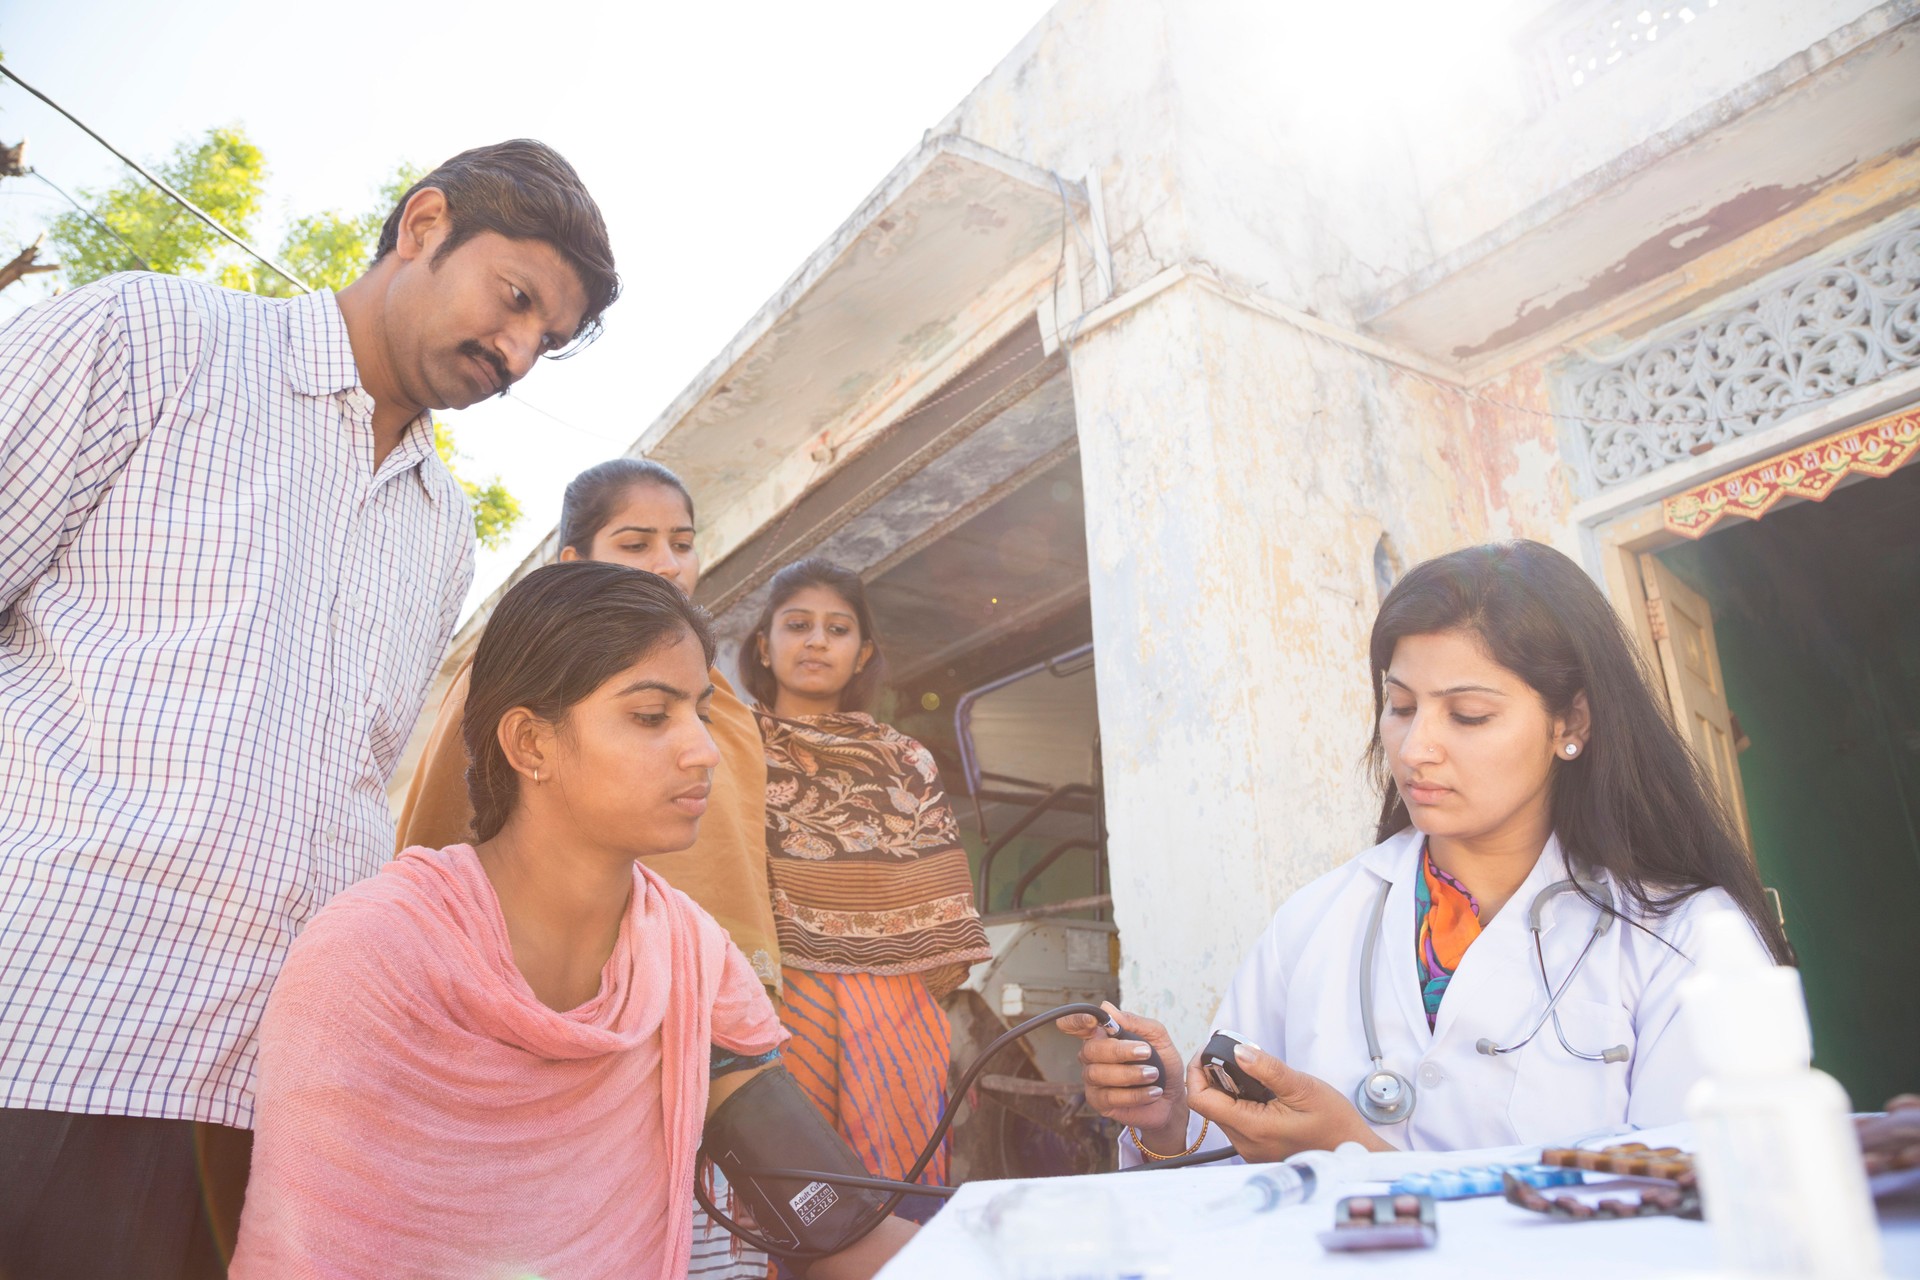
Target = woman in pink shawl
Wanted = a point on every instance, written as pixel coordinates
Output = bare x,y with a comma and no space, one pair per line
496,1060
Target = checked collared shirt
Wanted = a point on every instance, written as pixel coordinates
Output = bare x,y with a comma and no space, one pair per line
218,621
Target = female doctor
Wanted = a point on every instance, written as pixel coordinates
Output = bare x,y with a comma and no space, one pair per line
1544,831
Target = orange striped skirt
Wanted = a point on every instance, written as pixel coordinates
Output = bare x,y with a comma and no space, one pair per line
871,1050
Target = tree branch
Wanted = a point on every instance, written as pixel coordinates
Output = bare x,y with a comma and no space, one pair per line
25,263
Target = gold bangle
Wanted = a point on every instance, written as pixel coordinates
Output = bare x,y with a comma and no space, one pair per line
1141,1147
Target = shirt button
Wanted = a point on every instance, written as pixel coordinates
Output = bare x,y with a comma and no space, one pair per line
1431,1075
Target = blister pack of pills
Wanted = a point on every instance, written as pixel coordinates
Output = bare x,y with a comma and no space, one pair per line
1482,1180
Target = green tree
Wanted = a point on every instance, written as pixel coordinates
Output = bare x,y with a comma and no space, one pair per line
331,249
225,174
495,511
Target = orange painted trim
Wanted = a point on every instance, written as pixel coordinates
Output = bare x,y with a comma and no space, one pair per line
1812,471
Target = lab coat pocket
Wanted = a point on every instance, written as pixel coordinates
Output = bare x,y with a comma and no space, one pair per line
1557,1096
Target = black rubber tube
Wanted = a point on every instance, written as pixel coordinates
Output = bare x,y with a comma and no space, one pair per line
909,1185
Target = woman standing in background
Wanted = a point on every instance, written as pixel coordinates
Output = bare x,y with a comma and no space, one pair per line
871,890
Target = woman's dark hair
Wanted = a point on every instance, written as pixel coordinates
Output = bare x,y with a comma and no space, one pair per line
591,496
522,190
1637,803
559,634
790,582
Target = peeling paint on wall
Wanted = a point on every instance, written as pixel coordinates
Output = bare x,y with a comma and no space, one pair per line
1660,254
1249,470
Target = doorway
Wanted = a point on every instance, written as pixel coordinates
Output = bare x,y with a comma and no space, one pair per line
1815,622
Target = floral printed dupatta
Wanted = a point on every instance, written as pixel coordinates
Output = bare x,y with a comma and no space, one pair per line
864,854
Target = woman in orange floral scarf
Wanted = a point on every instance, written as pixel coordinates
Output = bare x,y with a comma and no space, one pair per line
872,897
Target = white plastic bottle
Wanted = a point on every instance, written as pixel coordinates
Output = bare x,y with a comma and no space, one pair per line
1781,1177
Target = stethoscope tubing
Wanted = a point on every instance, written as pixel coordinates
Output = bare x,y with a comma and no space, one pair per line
1369,949
1553,997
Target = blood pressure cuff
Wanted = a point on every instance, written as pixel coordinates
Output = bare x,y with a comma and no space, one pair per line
770,1124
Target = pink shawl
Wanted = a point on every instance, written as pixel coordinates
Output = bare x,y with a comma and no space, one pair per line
421,1113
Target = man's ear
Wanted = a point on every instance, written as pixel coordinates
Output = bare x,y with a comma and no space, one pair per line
424,225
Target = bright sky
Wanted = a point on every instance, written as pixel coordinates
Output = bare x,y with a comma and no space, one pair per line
724,142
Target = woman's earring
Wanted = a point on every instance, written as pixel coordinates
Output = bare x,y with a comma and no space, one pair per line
536,775
1573,749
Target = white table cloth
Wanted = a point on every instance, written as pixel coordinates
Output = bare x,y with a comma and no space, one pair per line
1164,1216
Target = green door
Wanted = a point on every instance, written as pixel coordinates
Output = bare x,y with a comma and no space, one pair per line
1816,614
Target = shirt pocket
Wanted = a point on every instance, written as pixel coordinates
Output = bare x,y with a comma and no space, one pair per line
1558,1097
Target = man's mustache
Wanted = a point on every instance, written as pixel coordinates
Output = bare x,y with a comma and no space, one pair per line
499,366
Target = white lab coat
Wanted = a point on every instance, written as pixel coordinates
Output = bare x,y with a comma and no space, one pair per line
1296,996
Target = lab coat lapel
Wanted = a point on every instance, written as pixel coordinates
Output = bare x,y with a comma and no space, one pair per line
1497,986
1400,1011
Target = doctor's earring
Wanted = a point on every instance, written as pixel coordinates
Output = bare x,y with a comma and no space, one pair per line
1573,749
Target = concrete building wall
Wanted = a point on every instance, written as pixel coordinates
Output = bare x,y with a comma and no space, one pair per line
1240,469
1503,146
1275,179
1245,471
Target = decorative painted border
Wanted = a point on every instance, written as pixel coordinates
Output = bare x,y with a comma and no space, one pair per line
1811,471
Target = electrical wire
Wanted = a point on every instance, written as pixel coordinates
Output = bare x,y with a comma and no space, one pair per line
95,219
164,188
909,1184
514,397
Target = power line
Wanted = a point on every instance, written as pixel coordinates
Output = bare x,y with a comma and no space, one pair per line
95,219
168,191
516,398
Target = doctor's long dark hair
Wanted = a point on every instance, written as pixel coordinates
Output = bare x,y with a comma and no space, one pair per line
1637,803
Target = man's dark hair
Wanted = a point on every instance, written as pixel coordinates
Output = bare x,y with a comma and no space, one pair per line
559,634
522,190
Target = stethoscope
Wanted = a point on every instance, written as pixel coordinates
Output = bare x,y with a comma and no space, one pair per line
1387,1097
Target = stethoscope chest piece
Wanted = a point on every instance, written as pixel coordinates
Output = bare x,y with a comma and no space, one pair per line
1384,1097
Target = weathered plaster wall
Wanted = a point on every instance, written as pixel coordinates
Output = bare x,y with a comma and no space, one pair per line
1498,150
1090,89
1239,470
1325,156
1245,471
1209,146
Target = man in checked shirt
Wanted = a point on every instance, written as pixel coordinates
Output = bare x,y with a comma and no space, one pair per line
230,562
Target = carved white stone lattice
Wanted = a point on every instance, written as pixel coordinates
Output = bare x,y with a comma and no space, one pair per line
1597,37
1844,323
